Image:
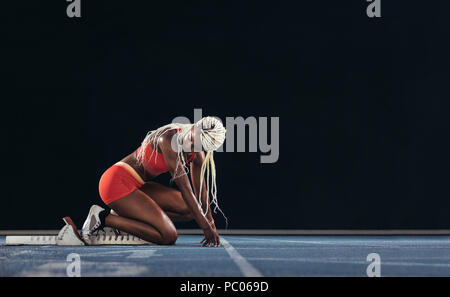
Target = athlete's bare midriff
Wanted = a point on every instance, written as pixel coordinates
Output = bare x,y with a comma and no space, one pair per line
131,160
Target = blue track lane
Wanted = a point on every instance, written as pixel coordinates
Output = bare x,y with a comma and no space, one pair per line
266,255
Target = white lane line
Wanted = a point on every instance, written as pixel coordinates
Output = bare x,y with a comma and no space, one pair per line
142,254
246,268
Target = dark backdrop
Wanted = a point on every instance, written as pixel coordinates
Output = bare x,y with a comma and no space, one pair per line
363,105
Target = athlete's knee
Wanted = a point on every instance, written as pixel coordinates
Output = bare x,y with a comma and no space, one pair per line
169,236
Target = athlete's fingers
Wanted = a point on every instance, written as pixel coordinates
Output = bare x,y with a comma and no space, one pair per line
207,243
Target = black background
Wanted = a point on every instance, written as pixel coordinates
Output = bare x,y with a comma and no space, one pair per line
363,106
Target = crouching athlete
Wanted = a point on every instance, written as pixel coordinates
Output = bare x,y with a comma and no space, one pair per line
145,208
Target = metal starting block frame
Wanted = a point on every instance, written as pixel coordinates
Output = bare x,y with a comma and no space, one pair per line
70,236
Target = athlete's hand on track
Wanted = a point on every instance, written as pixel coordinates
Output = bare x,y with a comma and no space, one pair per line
211,237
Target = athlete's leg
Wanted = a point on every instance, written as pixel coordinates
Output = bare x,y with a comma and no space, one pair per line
139,215
169,199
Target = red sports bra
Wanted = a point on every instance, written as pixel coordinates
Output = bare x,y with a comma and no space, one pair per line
154,162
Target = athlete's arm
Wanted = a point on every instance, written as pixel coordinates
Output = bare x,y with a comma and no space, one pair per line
196,167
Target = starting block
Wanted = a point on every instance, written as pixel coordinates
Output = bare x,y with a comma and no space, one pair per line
70,236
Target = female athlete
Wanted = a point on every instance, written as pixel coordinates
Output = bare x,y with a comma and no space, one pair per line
145,208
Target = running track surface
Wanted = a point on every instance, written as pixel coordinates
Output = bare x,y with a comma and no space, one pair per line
240,256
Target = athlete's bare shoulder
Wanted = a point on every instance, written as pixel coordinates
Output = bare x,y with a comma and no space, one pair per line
165,140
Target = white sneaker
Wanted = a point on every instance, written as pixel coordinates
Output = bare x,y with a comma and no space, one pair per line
92,222
69,235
